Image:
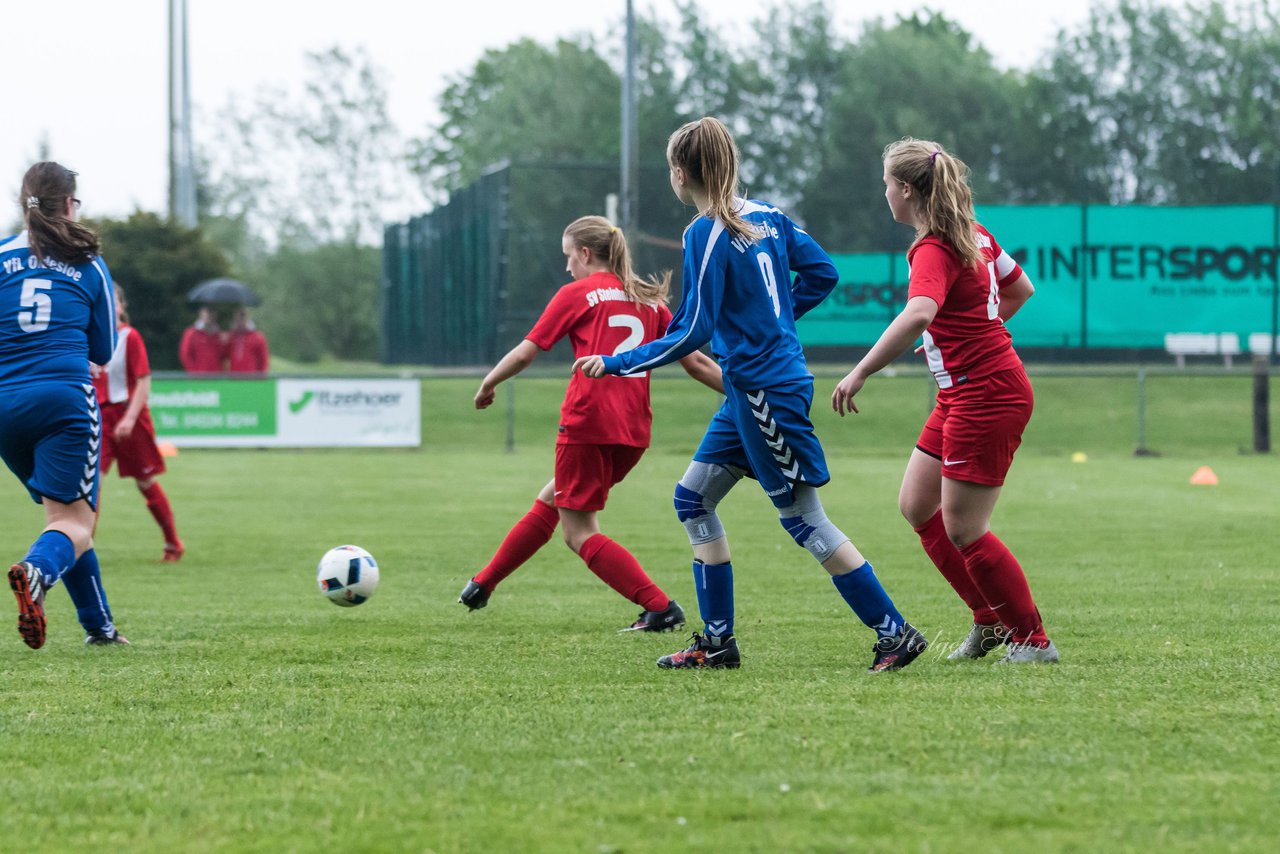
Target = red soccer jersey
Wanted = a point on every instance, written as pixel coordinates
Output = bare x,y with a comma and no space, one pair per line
967,339
247,352
115,382
598,317
201,350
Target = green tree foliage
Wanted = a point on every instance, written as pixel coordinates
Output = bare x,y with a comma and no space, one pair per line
322,168
787,86
523,102
321,300
298,193
924,77
1179,103
157,262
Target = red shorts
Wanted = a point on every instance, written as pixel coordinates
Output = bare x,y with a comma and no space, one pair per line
584,473
138,455
975,427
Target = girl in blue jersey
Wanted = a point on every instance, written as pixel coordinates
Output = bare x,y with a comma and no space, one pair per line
738,294
56,315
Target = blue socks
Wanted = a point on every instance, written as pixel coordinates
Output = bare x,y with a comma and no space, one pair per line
862,590
84,585
52,553
714,585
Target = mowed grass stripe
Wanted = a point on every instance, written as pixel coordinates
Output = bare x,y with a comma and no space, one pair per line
252,715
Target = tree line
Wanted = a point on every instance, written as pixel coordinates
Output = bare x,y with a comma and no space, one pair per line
1144,103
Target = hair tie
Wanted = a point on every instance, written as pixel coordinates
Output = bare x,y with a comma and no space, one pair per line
934,157
612,229
32,202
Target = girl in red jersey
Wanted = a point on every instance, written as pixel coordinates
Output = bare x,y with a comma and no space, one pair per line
604,426
962,289
123,386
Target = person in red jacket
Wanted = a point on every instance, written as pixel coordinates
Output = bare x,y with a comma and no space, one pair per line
128,435
246,347
202,350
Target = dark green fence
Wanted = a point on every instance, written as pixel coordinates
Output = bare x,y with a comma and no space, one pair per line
464,283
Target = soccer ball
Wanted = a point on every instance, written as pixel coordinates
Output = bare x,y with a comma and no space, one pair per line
347,575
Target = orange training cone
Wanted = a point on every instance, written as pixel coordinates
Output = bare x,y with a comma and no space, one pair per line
167,449
1204,476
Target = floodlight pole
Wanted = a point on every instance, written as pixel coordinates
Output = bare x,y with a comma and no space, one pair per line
182,181
630,135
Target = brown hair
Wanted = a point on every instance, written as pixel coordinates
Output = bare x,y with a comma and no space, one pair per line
705,150
45,190
122,304
944,200
608,245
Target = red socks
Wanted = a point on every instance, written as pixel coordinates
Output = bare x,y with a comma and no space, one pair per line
620,570
947,558
997,574
158,504
531,533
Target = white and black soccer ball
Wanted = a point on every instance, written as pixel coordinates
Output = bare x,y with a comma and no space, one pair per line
347,575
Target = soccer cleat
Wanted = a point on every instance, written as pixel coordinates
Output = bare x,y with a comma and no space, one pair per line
473,596
27,584
669,619
895,653
981,640
1029,653
173,553
104,639
704,652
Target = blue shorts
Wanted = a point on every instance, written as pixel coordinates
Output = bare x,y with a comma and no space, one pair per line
768,433
50,435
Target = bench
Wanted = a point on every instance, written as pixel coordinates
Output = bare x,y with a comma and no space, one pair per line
1260,343
1183,344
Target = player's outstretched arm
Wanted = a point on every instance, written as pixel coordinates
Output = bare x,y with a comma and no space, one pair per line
894,341
517,359
704,369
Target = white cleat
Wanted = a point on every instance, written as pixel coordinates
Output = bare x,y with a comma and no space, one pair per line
1025,653
981,640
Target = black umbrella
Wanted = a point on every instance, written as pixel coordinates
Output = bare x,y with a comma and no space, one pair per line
223,291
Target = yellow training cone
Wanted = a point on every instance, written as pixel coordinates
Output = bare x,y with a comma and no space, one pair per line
1204,476
1079,457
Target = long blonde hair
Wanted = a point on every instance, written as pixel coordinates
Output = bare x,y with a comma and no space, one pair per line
608,244
705,150
944,200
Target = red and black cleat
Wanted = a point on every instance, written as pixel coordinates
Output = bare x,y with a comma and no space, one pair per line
705,652
897,652
27,585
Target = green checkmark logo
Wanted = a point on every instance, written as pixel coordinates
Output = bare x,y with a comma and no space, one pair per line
295,406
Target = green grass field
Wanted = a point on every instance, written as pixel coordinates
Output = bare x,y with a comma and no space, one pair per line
251,715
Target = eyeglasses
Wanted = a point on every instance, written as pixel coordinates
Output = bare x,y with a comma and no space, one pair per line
76,202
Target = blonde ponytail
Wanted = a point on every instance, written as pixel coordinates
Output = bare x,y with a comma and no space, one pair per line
705,150
609,245
944,201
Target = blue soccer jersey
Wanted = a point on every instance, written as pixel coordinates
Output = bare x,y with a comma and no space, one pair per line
55,318
739,295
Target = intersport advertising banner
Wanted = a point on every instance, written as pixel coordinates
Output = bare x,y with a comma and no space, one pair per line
290,413
1105,277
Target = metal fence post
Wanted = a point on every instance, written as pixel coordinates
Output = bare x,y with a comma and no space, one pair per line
511,417
1142,450
1261,404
